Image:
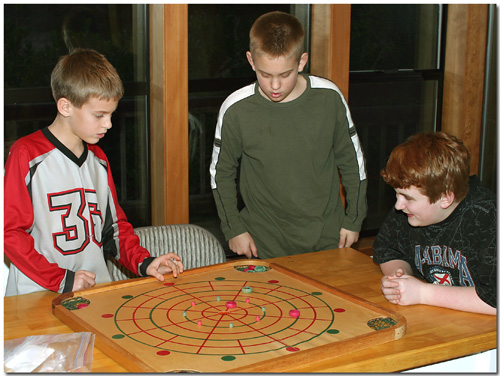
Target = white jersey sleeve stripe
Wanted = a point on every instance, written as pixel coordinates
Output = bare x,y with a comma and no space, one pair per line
237,96
322,83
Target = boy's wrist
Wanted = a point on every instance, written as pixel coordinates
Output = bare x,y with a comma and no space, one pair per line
143,267
229,234
427,293
69,280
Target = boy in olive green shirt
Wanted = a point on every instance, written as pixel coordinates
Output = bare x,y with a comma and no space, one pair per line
290,134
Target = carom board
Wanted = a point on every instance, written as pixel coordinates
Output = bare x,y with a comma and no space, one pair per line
240,316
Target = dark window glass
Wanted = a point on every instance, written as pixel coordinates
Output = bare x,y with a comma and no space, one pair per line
395,37
395,86
35,36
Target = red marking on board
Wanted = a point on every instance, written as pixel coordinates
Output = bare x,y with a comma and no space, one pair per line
263,324
292,349
163,352
107,315
339,310
169,284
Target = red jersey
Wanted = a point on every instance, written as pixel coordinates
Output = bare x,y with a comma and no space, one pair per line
62,215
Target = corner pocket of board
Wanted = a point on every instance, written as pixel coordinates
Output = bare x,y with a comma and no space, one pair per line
251,266
57,301
78,302
183,371
380,323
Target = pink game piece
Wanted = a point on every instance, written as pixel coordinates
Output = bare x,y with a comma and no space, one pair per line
199,322
294,313
247,300
193,304
231,304
257,318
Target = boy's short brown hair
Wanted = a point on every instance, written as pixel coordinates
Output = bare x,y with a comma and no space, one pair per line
436,163
277,34
83,74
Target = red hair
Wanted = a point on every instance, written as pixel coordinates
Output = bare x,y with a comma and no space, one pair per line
436,163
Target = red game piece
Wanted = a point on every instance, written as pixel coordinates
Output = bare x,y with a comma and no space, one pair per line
294,313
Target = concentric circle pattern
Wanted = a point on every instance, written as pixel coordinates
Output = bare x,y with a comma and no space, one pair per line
194,318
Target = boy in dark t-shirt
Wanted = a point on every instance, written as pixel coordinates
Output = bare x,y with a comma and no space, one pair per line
442,229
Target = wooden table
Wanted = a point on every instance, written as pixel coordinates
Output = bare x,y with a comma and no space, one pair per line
432,335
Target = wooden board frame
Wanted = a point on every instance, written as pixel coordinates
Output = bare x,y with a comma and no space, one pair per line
284,363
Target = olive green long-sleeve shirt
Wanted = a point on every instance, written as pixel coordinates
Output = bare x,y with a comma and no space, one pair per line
289,156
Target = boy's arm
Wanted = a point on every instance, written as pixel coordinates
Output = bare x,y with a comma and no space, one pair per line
19,245
226,154
351,164
120,239
456,297
412,290
118,235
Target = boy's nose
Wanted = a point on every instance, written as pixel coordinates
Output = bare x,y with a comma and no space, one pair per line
399,204
275,84
108,124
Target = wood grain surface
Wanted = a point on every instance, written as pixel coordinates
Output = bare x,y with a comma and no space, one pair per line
432,334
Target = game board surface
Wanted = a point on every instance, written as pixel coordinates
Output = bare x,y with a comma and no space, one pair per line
243,316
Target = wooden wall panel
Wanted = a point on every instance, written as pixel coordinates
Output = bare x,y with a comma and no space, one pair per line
330,43
169,113
464,75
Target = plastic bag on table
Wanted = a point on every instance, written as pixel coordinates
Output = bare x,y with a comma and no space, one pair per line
71,352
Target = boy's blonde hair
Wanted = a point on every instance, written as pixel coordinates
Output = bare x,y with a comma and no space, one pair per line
436,163
83,74
277,34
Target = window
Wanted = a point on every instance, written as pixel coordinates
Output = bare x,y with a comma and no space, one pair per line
35,36
395,86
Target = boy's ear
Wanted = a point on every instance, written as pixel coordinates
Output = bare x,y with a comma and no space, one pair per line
303,61
447,199
64,106
250,60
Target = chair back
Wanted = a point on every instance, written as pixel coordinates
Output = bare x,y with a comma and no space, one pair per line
195,245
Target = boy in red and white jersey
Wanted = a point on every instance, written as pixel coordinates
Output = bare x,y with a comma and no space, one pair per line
62,216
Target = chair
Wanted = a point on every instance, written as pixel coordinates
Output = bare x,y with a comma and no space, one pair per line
195,245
